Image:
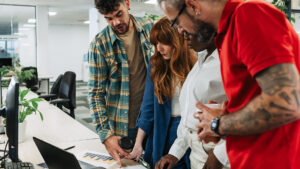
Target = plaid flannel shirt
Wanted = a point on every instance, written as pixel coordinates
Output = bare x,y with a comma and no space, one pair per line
109,79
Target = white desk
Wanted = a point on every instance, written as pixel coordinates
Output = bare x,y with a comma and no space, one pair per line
58,129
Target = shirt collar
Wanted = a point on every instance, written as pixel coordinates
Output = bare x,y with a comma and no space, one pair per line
202,54
228,10
136,25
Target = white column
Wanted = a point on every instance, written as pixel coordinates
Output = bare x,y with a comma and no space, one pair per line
42,39
97,22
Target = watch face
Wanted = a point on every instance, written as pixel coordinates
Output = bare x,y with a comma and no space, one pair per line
214,124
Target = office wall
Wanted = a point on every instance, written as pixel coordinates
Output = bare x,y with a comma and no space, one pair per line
27,47
67,45
297,23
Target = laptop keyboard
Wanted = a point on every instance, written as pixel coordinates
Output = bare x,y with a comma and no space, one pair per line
18,165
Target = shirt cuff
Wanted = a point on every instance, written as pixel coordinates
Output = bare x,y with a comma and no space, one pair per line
221,154
104,134
177,150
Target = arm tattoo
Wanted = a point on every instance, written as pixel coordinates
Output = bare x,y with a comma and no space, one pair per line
285,97
277,105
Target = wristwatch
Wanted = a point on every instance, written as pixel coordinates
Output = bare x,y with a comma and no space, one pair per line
214,125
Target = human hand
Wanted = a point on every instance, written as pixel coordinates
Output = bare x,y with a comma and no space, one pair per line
168,159
212,162
205,117
113,148
136,152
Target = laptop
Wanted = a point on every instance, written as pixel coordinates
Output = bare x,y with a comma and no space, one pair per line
56,158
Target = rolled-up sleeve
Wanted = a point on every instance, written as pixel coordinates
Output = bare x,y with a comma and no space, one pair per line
180,145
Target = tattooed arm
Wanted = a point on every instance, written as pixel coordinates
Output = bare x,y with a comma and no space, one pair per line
277,105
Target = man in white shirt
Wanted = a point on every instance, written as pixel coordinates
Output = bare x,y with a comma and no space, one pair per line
203,84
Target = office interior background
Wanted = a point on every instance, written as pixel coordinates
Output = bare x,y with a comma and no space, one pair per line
54,35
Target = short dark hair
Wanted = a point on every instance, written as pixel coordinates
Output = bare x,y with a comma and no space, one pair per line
107,6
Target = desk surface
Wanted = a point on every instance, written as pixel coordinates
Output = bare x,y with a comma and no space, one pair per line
58,129
57,125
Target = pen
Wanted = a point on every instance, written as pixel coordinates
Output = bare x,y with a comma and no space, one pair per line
69,148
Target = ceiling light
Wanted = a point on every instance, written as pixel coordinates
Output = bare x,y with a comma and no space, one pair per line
31,20
52,13
152,2
86,22
29,25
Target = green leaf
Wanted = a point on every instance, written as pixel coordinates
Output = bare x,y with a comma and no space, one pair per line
36,100
22,117
25,104
23,94
293,19
41,115
34,104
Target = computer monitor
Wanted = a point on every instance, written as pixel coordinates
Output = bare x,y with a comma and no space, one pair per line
0,90
10,112
6,62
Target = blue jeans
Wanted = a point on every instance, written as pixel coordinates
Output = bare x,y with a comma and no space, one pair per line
184,162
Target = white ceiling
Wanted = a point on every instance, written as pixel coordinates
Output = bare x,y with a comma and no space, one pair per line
68,11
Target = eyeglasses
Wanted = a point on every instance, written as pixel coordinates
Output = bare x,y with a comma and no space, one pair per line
174,24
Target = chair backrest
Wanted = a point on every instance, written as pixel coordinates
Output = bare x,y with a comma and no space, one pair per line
33,81
56,84
67,89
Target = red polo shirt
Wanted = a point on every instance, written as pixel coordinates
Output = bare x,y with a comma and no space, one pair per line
253,36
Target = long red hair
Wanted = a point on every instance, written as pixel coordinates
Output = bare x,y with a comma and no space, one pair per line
167,74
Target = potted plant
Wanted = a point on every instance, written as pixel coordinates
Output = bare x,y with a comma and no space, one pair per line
283,6
26,107
22,75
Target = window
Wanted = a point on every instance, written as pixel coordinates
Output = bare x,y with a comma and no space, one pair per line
18,34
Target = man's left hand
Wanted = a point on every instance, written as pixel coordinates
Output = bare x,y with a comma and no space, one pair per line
212,162
205,117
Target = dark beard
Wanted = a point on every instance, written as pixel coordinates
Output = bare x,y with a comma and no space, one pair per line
204,31
126,29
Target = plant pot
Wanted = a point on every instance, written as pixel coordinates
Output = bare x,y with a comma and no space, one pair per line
22,131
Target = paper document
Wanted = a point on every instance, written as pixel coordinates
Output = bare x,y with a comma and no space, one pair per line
134,167
95,158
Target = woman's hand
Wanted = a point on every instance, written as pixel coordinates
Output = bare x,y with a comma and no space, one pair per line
136,152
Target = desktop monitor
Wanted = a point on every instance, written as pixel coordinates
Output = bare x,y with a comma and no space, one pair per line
0,90
10,112
6,62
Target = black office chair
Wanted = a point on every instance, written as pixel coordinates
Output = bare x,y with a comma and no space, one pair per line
54,90
67,93
33,83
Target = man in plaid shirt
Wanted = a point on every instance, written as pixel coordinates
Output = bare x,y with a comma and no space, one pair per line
118,60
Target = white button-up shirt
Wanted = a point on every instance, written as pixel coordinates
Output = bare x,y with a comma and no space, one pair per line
203,83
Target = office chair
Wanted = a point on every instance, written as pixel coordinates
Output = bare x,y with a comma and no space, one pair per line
54,90
67,93
33,83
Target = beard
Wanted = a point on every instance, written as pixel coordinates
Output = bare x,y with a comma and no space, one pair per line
204,32
122,28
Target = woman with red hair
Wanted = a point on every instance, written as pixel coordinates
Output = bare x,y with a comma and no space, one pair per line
160,113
